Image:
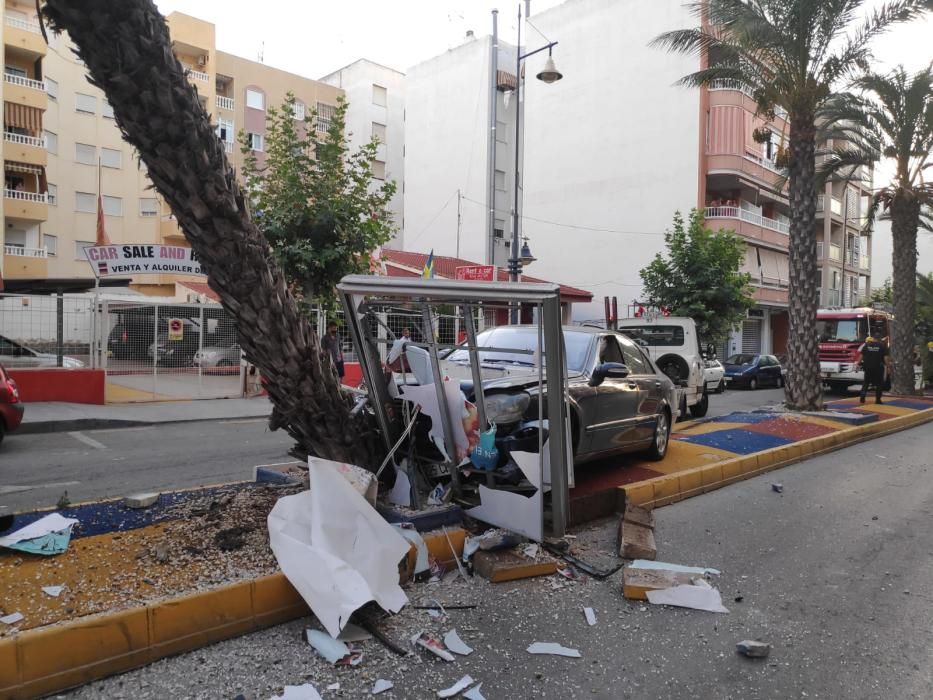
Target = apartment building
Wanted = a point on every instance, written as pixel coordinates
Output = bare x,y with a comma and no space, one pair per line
610,152
58,129
375,96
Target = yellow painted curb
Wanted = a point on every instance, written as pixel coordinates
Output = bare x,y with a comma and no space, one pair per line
50,659
671,488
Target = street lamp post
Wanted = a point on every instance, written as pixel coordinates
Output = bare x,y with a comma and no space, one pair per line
548,75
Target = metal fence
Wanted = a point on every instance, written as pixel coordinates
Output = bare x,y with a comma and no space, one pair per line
46,331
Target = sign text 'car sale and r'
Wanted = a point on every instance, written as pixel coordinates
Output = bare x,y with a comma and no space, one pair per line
108,260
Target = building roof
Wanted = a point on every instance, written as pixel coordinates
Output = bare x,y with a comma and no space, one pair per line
201,288
404,263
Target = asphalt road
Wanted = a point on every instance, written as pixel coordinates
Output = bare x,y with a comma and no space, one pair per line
836,573
36,469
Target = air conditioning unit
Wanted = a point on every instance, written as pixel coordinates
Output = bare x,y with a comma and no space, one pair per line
202,60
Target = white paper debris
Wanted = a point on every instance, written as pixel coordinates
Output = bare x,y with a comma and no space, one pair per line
552,648
530,550
511,510
400,494
333,686
327,647
645,564
474,693
363,480
53,591
352,633
460,685
53,522
426,397
335,549
453,642
590,615
12,618
382,685
696,597
426,641
298,692
421,549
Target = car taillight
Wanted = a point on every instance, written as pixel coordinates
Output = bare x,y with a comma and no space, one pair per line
13,391
125,337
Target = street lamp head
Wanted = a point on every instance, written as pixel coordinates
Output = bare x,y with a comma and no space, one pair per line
525,256
549,74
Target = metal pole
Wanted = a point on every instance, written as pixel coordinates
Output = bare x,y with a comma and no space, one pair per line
459,221
201,350
513,268
491,145
446,420
60,328
557,417
845,238
155,347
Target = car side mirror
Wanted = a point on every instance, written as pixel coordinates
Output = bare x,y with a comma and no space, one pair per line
608,370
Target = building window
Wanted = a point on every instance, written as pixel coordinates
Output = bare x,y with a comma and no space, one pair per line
86,153
85,103
379,132
111,158
379,169
51,87
51,142
15,70
148,206
106,111
298,110
86,202
79,249
255,141
225,130
51,244
380,95
501,132
53,194
113,206
255,99
500,180
325,113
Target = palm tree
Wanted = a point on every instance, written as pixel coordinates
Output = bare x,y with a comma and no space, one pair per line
790,53
128,53
891,117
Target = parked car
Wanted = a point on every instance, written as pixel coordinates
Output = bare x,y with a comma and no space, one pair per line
714,375
11,408
753,371
619,401
227,355
180,352
14,354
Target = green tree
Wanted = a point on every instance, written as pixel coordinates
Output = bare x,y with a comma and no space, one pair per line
891,117
699,277
314,199
791,54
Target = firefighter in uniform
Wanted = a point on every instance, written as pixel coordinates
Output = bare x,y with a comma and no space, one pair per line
874,355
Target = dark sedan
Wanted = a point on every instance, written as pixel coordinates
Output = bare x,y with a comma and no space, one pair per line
619,400
752,371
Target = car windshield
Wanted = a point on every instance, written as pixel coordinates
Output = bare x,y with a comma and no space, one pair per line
741,360
656,336
849,330
510,337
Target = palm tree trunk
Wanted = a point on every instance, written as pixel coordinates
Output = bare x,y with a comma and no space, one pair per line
804,387
128,52
905,217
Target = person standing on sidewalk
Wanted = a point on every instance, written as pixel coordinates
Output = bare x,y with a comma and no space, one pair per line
875,358
331,343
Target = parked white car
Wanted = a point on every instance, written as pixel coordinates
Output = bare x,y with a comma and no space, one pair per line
714,375
13,354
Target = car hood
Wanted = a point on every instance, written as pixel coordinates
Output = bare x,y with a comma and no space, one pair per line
69,362
737,369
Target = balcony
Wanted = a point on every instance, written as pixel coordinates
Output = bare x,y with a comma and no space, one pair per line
24,149
835,204
832,298
25,263
24,35
228,146
32,206
198,75
25,91
739,86
749,217
225,102
864,262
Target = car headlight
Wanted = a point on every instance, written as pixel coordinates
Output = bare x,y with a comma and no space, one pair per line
72,363
506,408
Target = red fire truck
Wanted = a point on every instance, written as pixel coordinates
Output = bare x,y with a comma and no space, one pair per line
842,332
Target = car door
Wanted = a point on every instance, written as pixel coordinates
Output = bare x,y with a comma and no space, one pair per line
617,402
766,370
12,354
649,388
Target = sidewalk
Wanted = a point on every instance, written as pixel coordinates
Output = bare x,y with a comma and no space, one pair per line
53,416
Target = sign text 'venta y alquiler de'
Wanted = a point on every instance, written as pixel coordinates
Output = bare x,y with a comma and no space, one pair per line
109,260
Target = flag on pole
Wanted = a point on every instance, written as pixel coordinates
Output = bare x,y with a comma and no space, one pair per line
102,238
428,272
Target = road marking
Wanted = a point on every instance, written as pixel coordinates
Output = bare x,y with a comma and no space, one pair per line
18,489
122,430
81,437
251,420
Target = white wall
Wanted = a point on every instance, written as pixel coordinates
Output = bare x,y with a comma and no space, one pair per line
357,81
881,250
614,145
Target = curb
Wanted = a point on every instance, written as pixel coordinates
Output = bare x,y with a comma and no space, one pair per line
51,659
671,488
75,424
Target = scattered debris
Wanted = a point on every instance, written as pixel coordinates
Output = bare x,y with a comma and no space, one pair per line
231,538
298,692
362,480
408,531
513,510
453,642
874,517
333,686
590,616
564,554
141,500
530,550
400,494
753,649
739,598
698,597
474,693
777,488
426,641
48,535
509,566
11,619
333,651
160,552
569,573
63,501
636,582
553,649
637,541
353,633
381,685
456,688
490,541
638,515
436,497
53,591
663,565
453,550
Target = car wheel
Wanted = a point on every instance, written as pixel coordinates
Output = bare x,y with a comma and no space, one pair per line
2,431
721,387
661,438
753,383
682,413
699,409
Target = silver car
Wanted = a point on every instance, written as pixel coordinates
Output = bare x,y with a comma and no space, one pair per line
218,356
13,354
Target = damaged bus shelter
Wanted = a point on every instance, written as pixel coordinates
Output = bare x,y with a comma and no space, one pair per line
475,413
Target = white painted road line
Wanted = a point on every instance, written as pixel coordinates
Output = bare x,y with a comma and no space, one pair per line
91,442
31,487
245,420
